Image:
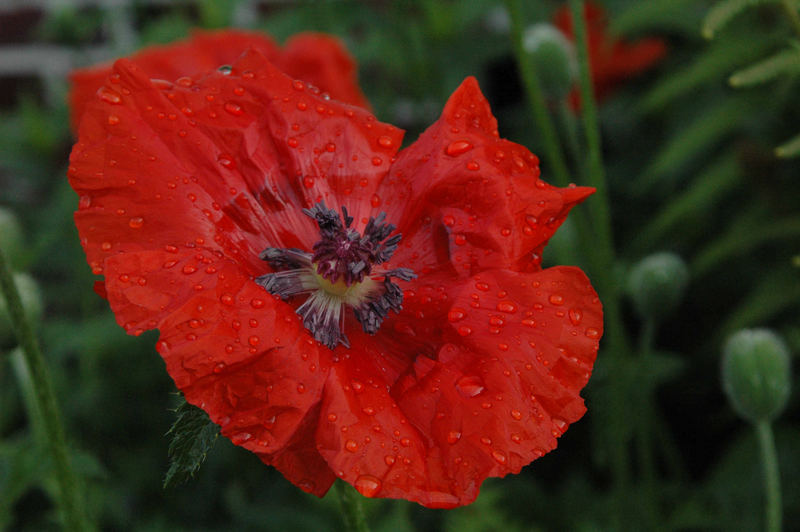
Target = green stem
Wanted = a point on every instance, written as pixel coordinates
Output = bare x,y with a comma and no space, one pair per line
352,510
69,498
536,99
644,428
567,118
789,7
772,480
603,257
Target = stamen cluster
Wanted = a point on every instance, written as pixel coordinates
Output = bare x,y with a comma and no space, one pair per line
339,273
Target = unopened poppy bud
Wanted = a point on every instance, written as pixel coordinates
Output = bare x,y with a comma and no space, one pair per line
10,236
31,302
657,283
553,56
755,374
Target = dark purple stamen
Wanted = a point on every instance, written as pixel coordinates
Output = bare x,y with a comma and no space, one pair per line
340,254
343,252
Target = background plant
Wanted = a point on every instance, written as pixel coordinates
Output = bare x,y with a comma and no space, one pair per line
690,167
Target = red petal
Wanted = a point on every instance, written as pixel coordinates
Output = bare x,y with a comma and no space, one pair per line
323,61
465,198
368,441
317,58
611,59
502,386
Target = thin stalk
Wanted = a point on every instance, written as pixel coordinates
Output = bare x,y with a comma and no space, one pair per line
536,99
567,118
69,493
772,480
602,239
603,267
352,510
644,428
789,7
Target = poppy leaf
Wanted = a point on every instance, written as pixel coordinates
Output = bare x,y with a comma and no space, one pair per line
193,436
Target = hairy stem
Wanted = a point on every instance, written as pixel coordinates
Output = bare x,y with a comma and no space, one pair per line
69,493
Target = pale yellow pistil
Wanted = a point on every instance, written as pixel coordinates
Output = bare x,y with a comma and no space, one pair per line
352,295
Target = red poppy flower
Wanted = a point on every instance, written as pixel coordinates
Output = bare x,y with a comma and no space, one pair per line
318,59
611,59
204,204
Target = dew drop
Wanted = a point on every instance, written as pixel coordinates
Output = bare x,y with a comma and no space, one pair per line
591,332
233,108
464,330
375,201
516,414
460,240
453,436
226,161
469,386
456,314
226,299
473,165
458,147
136,222
367,485
253,340
385,141
189,269
109,96
257,303
499,457
509,307
556,299
389,460
575,316
351,446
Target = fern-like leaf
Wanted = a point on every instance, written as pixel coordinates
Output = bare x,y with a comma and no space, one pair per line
193,435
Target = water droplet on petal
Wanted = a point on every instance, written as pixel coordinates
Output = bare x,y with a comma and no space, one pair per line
575,316
591,332
233,108
469,386
367,485
508,307
385,141
499,457
556,299
458,147
453,436
351,446
456,314
136,222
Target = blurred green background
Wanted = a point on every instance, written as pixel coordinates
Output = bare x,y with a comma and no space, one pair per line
691,169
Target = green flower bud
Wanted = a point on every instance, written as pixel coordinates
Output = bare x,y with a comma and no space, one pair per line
10,236
755,374
656,285
31,303
553,56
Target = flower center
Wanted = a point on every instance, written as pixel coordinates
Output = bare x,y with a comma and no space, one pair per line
339,273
